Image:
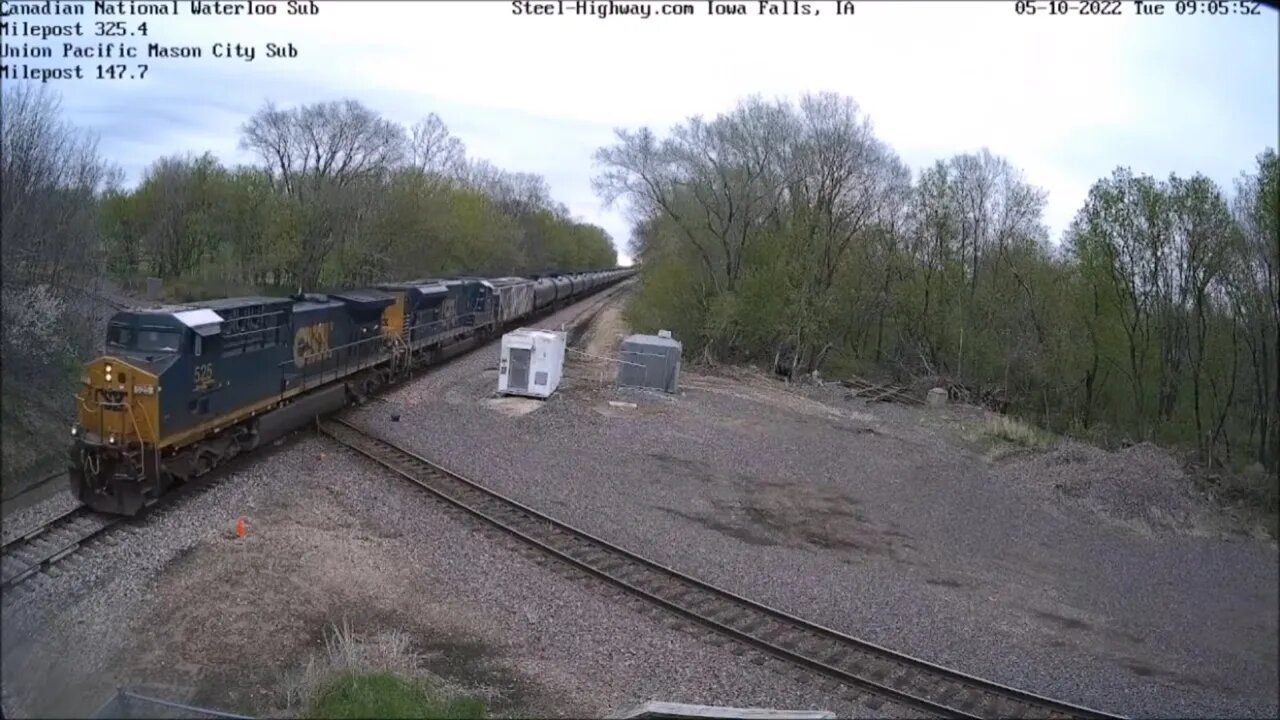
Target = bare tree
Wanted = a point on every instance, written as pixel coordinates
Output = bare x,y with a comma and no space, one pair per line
50,173
326,159
335,143
50,177
719,181
434,151
516,192
841,178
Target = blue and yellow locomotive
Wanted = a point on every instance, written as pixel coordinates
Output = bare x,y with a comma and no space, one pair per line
180,390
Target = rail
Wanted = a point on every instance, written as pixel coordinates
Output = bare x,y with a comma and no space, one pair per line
915,684
24,556
35,485
129,704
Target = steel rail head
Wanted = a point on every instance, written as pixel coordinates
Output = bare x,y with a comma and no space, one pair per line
973,682
887,692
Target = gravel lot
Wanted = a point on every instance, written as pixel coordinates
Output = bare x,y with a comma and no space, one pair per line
180,607
882,522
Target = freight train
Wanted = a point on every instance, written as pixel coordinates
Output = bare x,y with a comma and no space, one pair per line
180,390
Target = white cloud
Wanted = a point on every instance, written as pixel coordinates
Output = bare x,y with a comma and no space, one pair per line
1066,99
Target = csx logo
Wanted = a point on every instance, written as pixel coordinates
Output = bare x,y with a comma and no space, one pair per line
311,344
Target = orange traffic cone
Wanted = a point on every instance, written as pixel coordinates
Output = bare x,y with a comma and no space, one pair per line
239,527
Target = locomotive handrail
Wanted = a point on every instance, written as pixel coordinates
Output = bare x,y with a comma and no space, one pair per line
337,364
429,323
379,337
229,330
138,432
337,361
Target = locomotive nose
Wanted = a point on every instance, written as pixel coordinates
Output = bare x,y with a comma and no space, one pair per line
117,404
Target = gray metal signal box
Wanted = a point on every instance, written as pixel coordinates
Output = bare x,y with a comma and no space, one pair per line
650,361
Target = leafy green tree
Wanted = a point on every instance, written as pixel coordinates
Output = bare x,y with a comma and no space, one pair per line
788,235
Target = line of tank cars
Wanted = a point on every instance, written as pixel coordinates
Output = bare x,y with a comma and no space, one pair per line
179,390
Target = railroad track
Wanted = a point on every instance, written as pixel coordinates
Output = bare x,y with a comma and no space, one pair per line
34,486
922,687
24,556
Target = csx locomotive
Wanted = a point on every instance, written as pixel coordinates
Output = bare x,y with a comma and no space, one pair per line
180,390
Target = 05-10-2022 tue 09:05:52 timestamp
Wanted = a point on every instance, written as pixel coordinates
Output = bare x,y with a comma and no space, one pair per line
1142,8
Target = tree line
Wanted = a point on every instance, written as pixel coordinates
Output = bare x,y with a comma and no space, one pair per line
341,196
338,196
788,234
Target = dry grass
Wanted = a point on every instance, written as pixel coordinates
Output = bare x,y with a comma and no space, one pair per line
1005,436
347,652
356,660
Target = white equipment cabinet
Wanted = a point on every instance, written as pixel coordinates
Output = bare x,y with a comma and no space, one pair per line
531,362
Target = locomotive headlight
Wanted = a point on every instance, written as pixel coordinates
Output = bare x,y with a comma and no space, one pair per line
111,438
74,431
108,376
108,368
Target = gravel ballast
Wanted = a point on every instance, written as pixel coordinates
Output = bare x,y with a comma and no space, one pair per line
20,522
179,607
193,613
876,521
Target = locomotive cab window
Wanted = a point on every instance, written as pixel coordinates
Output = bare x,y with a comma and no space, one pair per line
143,339
158,340
120,336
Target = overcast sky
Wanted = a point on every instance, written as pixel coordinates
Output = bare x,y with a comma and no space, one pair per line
1065,99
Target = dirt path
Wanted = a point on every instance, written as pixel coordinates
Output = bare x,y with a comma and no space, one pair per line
593,358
